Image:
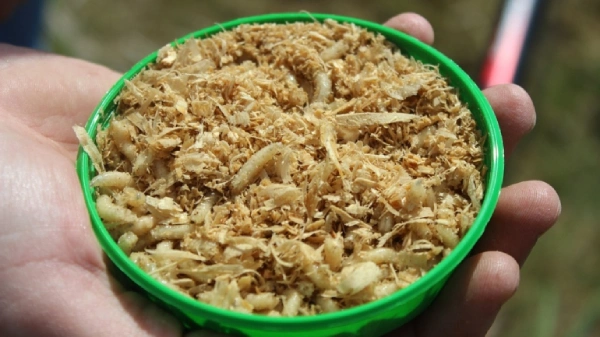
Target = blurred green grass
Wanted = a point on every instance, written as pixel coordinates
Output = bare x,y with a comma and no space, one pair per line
559,294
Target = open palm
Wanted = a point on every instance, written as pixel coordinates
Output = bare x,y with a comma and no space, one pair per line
54,279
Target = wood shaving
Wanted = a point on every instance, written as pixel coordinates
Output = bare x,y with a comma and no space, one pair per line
288,169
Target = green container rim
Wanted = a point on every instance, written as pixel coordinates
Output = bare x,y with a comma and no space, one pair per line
415,48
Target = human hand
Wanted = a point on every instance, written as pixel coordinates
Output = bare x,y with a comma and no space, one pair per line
54,279
470,301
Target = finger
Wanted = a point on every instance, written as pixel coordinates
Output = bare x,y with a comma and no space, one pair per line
524,212
514,110
470,301
50,93
412,24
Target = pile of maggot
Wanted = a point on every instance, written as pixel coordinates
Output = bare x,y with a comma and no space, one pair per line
288,169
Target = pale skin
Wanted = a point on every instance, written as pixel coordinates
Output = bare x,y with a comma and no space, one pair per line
53,276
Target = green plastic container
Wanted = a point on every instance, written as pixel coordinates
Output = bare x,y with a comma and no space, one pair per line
372,319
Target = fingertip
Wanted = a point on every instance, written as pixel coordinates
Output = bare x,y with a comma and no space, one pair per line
412,24
514,110
473,296
496,277
525,211
515,97
534,203
548,201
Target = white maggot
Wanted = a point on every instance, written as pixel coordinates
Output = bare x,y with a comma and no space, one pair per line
251,168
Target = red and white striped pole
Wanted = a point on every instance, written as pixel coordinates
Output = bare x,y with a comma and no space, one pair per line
509,43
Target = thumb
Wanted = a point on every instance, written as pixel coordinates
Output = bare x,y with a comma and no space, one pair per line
50,93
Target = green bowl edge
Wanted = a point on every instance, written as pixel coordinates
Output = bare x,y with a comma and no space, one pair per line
469,92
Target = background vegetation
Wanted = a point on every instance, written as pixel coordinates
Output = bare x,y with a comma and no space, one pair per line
560,288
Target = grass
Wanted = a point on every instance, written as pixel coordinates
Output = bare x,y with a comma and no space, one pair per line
562,79
559,294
